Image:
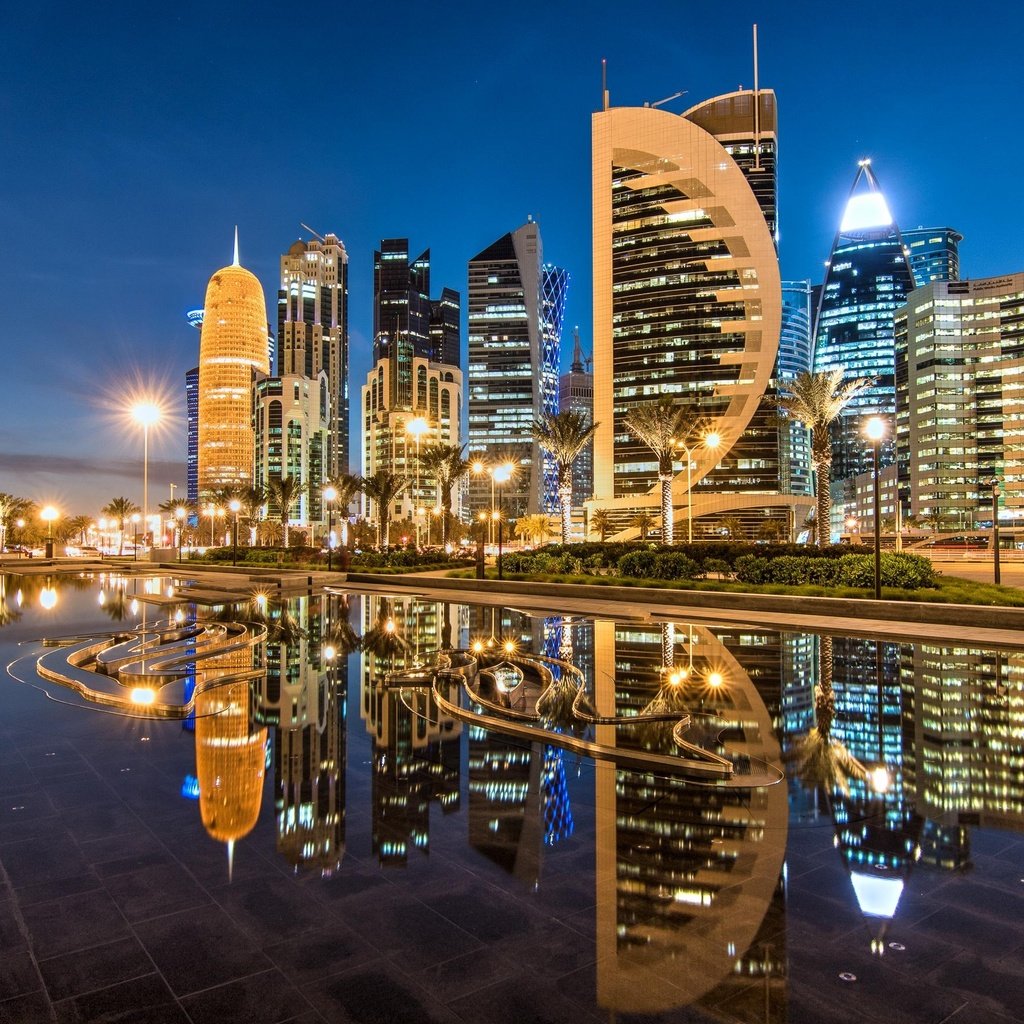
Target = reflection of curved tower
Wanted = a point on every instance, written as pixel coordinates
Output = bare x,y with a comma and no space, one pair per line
687,298
687,875
230,754
867,280
232,347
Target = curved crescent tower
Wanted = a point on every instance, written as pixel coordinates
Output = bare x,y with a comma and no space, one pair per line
232,347
687,298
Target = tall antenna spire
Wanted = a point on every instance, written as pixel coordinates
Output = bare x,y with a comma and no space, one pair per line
604,83
577,352
757,110
235,262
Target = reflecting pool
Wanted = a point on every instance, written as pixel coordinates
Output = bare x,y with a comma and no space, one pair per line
395,808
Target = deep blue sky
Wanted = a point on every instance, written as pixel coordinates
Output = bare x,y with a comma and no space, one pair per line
134,141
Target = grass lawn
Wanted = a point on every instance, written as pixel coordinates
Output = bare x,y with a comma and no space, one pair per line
950,590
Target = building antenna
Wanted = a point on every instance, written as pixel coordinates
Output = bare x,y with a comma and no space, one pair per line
757,110
234,261
315,234
604,83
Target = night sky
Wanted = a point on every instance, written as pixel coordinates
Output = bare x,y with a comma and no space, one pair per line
135,140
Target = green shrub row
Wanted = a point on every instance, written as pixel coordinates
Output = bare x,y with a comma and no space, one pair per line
908,572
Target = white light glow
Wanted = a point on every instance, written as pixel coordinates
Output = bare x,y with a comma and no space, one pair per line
866,210
877,897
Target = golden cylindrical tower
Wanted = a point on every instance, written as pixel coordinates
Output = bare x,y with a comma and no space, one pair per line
232,347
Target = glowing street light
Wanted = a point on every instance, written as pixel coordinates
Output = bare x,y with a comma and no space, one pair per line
330,496
236,506
179,514
136,519
48,514
874,431
146,414
711,440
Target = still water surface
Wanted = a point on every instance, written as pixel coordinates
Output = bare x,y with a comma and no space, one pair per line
321,842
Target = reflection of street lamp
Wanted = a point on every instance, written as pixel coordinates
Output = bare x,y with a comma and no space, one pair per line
146,414
874,431
48,514
236,506
712,441
330,496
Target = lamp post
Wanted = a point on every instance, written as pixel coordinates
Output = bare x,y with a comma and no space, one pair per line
330,496
179,514
478,467
417,427
874,430
48,514
146,414
236,506
136,519
501,475
712,440
995,531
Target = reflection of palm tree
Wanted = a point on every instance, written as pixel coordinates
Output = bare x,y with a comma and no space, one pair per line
821,761
383,638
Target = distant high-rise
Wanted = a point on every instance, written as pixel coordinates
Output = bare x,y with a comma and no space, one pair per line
576,394
195,318
867,280
687,301
516,308
410,401
232,349
312,329
934,254
795,348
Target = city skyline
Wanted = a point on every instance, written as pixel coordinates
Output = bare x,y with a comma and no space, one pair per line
140,151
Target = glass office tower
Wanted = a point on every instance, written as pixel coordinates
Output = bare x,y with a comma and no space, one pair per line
934,254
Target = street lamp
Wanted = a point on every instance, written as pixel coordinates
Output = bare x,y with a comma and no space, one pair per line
135,537
501,475
236,506
874,431
712,441
997,576
330,496
147,415
179,514
417,427
478,467
48,514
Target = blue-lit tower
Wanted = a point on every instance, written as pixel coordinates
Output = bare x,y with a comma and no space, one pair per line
195,318
934,254
867,279
795,349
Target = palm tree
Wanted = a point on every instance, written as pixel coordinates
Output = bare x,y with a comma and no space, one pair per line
934,519
563,436
283,493
601,521
11,509
254,500
817,399
662,425
382,488
733,526
77,527
536,528
121,509
643,521
447,466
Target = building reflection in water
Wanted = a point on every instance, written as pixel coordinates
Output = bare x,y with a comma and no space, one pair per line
303,699
230,748
417,751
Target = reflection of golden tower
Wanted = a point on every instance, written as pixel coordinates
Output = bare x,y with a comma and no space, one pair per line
233,345
230,757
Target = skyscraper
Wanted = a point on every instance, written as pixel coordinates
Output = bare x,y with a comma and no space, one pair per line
576,394
232,348
516,308
867,279
410,401
934,254
795,348
312,330
687,300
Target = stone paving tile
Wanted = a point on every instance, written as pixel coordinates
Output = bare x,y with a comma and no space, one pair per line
154,891
145,1000
97,967
18,974
33,1008
266,998
330,949
75,922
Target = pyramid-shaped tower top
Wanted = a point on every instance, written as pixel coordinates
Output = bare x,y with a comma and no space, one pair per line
866,210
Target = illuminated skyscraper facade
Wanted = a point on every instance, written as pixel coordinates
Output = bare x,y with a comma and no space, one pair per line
516,310
410,401
312,330
934,254
233,348
795,348
867,279
687,299
576,394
